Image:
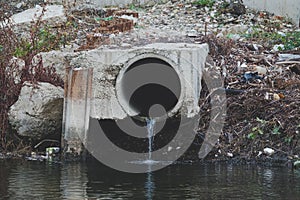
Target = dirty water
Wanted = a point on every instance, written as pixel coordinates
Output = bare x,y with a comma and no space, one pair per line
40,180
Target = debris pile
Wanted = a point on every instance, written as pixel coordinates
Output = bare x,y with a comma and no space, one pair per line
263,102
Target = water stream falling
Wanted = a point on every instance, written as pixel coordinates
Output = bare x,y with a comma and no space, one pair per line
150,135
150,130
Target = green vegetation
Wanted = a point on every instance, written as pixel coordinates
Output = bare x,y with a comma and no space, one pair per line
133,7
257,130
276,131
40,41
204,3
288,139
223,5
290,40
105,18
262,127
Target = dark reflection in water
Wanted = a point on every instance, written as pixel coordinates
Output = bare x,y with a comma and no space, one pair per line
31,180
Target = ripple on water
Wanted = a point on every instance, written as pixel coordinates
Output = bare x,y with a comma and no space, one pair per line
150,162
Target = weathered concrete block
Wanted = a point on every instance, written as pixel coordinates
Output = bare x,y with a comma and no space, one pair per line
38,111
178,67
57,59
76,109
54,14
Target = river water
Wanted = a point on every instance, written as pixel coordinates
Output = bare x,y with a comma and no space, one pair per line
35,180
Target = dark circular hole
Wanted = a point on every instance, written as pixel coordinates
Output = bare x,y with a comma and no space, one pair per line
150,81
148,95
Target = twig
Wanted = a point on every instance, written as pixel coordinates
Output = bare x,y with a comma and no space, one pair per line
281,151
268,62
233,83
46,140
254,84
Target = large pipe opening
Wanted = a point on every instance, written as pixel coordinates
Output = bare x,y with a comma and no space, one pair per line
150,88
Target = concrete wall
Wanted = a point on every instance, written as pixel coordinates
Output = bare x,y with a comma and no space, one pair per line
288,8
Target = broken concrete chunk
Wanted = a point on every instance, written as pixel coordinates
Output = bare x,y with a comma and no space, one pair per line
38,112
54,14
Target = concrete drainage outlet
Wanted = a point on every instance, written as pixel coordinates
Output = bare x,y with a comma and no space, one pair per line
149,87
111,86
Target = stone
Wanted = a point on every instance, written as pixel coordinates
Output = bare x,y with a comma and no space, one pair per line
134,19
54,14
233,30
268,151
229,154
19,5
38,112
192,33
151,3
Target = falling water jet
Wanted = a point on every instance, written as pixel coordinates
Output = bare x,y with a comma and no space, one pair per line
150,130
156,112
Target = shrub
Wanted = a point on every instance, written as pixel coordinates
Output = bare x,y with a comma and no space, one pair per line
12,73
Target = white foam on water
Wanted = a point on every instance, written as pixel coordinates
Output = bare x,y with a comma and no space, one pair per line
150,162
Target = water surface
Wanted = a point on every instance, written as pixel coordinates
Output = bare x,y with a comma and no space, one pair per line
35,180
